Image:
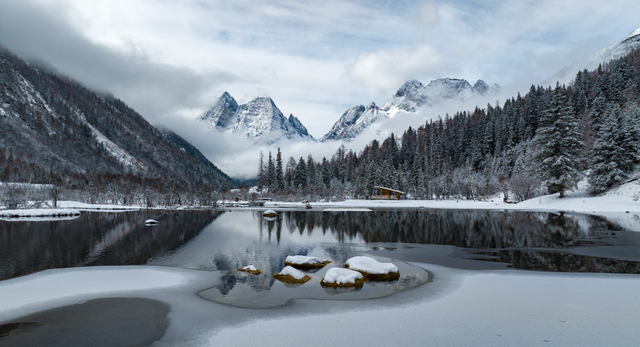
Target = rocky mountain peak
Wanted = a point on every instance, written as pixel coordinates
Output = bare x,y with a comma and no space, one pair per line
259,119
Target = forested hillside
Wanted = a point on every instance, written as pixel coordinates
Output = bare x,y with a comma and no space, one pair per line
544,141
53,130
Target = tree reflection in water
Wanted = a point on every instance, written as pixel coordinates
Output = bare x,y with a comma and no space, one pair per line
467,229
500,231
95,239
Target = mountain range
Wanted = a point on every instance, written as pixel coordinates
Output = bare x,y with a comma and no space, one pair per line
52,123
262,121
411,97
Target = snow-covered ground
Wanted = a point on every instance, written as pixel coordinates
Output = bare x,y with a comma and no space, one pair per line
622,199
39,212
457,308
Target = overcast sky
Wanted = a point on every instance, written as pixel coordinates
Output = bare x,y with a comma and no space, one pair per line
171,60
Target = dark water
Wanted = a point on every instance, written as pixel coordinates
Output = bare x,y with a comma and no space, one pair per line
95,239
225,241
100,322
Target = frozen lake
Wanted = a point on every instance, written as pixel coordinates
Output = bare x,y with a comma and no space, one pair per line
436,250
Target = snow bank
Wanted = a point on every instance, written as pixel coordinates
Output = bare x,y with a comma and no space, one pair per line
52,288
96,207
347,209
39,212
339,277
302,261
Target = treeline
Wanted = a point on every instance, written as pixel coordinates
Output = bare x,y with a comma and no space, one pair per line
533,144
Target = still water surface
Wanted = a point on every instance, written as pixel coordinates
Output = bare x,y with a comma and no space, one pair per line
227,240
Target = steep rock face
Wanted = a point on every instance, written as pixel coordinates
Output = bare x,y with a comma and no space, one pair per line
222,112
354,121
55,123
259,120
412,96
615,51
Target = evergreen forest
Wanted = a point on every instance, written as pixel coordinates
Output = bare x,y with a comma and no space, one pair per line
543,142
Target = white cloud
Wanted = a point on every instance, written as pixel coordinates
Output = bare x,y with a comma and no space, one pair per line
172,59
385,70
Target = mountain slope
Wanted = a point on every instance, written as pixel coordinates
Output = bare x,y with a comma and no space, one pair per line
412,96
52,123
259,120
615,51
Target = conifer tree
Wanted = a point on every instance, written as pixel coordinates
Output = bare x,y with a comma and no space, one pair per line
559,142
301,174
271,174
615,151
279,173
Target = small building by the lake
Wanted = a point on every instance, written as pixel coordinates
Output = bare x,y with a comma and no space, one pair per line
387,194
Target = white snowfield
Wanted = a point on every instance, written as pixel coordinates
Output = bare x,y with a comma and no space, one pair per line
58,287
341,276
370,265
458,308
249,267
293,272
303,260
347,209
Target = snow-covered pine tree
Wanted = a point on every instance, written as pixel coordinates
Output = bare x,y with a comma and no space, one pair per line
301,177
262,179
558,141
271,174
279,172
615,151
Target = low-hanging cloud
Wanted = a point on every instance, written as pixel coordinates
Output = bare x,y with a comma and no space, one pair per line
38,32
385,70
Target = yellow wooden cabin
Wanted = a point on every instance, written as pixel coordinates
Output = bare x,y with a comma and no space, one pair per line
387,194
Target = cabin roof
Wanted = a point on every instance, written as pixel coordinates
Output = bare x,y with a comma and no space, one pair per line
393,190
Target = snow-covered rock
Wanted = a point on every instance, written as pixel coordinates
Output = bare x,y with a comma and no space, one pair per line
411,97
250,269
372,269
259,120
305,262
291,275
615,51
339,277
151,222
269,213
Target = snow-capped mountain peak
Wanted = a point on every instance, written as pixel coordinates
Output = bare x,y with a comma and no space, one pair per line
412,96
260,120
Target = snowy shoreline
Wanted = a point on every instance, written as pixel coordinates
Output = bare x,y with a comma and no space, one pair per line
624,199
